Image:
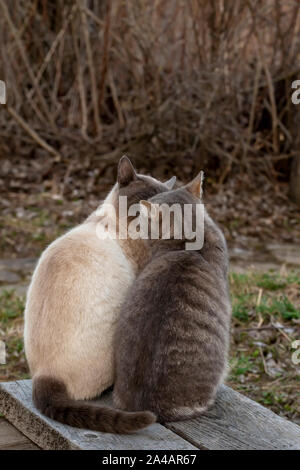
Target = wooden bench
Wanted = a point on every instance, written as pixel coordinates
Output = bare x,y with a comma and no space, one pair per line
12,439
234,422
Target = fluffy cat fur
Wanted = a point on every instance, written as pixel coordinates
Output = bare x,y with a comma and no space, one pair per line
172,337
72,307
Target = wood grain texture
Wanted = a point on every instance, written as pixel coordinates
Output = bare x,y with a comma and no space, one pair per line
16,405
236,422
12,439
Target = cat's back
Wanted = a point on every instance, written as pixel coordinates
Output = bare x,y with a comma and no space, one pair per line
168,275
77,255
177,323
78,282
166,292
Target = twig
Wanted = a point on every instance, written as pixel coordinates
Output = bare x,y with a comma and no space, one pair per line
263,360
116,99
81,88
52,49
91,67
105,49
283,333
259,42
34,134
26,62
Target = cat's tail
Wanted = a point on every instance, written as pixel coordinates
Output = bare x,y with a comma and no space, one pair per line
50,396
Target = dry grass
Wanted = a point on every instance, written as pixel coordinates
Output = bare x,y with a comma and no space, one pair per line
266,322
193,83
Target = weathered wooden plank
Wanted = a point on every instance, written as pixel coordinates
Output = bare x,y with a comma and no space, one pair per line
236,422
12,439
16,405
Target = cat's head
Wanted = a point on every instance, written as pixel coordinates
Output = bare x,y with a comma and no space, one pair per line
173,212
127,193
137,187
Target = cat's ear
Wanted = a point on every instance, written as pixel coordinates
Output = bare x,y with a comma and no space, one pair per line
149,210
171,182
195,186
126,172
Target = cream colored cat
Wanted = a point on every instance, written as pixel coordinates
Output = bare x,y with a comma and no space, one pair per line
73,302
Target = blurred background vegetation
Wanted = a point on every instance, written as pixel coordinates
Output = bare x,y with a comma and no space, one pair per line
179,86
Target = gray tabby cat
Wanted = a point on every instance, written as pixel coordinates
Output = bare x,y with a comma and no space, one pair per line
172,338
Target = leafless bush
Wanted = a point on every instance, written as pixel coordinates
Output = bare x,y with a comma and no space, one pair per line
177,83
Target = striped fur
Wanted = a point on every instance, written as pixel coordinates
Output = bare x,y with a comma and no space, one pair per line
51,398
172,339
